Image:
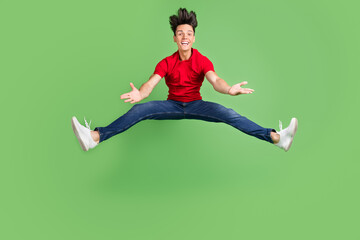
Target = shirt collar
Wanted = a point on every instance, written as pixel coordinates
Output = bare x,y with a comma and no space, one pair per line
194,59
177,55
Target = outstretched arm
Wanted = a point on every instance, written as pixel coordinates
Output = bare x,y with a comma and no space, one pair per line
137,95
222,87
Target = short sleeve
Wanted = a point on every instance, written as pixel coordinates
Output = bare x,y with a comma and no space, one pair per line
161,68
207,65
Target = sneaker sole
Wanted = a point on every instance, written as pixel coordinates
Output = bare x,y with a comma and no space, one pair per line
293,134
73,125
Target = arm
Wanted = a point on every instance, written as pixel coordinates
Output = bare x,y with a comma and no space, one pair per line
222,87
148,86
219,84
137,95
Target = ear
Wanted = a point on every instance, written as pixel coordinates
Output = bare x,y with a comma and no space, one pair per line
194,38
174,38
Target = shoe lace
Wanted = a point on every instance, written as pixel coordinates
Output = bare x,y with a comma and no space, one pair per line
280,125
87,124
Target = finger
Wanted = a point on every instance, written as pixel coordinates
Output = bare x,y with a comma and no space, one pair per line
243,83
126,95
132,86
132,102
245,91
127,100
249,89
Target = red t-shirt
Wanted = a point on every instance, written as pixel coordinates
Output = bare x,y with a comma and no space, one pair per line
184,78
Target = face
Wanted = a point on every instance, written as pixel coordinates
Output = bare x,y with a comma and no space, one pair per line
184,37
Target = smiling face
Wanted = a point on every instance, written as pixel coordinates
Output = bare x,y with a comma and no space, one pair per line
184,37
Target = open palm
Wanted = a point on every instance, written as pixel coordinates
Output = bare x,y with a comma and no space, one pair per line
133,96
237,89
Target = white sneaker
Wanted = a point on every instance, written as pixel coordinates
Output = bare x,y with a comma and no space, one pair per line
287,135
83,134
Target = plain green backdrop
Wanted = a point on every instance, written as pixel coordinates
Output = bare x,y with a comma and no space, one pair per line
185,179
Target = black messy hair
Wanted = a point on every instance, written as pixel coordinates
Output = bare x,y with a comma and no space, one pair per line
183,17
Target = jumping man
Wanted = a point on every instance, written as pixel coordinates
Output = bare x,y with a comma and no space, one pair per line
184,73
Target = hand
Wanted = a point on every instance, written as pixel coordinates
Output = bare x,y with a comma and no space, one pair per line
237,89
133,96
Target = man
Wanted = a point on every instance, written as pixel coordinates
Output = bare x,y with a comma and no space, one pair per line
184,72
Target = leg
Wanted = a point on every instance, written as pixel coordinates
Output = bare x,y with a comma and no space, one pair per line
214,112
274,136
159,110
95,136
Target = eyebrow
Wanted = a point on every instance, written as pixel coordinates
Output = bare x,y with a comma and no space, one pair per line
182,30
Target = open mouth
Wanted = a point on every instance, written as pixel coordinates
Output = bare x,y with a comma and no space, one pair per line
185,43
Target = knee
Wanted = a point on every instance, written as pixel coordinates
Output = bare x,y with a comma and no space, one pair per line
233,116
228,111
231,111
142,107
138,107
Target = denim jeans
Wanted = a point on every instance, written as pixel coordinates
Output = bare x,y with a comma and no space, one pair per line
170,109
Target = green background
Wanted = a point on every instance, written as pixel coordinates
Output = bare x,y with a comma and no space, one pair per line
185,179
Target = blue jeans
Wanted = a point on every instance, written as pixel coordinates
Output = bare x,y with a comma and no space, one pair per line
170,109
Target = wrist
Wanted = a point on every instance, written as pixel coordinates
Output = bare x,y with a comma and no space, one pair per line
228,91
142,95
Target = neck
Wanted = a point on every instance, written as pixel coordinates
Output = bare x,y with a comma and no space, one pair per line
185,55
